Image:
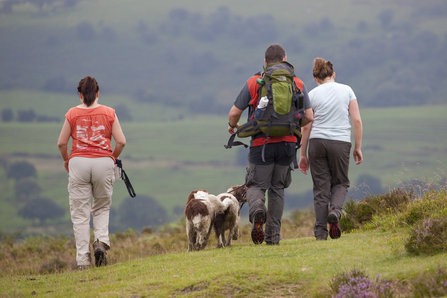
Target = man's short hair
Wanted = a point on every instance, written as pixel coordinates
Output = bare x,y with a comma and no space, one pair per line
274,53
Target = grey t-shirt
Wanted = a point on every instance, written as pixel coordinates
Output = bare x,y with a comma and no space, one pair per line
330,103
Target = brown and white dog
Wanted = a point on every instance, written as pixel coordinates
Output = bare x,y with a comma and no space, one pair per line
229,220
200,213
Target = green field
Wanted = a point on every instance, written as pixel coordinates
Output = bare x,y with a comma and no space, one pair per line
168,159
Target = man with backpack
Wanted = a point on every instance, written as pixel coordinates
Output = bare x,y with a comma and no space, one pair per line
275,139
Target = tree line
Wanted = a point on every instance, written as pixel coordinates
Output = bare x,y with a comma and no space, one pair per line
158,63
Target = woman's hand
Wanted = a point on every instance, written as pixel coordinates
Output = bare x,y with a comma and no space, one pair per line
358,156
303,164
66,165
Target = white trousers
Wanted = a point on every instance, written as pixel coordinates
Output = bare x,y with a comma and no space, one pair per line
87,178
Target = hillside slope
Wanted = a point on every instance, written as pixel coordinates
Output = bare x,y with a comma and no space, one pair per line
395,247
297,268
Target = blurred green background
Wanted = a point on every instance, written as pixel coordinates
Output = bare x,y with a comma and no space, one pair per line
172,71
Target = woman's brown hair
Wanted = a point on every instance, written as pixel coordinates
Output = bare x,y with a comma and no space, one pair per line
322,69
88,87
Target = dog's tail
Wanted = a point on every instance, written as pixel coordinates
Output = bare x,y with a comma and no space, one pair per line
219,204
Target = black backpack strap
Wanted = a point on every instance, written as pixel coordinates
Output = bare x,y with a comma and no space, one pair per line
263,151
266,140
295,159
232,143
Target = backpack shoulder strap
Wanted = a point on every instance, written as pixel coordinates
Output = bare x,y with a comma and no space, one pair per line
232,143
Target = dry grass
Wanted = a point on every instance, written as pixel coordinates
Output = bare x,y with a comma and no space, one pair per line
48,254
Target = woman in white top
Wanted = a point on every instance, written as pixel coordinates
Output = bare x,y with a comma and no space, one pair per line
329,142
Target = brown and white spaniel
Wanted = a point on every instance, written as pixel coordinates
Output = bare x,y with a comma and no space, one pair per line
229,220
200,213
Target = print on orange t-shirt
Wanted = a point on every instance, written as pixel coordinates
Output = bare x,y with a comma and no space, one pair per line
91,131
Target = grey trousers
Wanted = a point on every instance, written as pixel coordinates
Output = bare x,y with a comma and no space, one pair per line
329,166
273,176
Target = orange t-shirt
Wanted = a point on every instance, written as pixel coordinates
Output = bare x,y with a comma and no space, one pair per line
91,131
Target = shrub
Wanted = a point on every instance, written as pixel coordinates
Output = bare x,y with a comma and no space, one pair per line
348,222
434,203
54,265
43,118
141,211
344,277
303,217
26,189
42,209
21,169
360,212
428,237
7,115
26,115
356,284
431,284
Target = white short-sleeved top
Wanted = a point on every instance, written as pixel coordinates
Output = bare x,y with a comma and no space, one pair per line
330,103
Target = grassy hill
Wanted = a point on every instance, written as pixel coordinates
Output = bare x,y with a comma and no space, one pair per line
296,268
157,264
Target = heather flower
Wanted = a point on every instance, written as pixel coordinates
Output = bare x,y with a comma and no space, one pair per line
431,285
356,284
427,237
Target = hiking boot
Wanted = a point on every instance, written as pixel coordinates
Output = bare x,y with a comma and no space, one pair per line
257,234
100,253
334,227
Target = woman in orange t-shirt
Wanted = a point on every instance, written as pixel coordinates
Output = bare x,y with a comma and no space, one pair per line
90,168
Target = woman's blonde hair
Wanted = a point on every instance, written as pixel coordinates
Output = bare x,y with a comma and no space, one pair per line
322,69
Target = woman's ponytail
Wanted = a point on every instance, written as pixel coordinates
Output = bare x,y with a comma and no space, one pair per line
322,69
88,87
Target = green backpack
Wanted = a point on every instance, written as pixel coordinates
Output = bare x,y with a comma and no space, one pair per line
284,111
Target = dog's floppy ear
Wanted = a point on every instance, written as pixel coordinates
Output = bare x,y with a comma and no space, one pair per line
239,192
191,196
